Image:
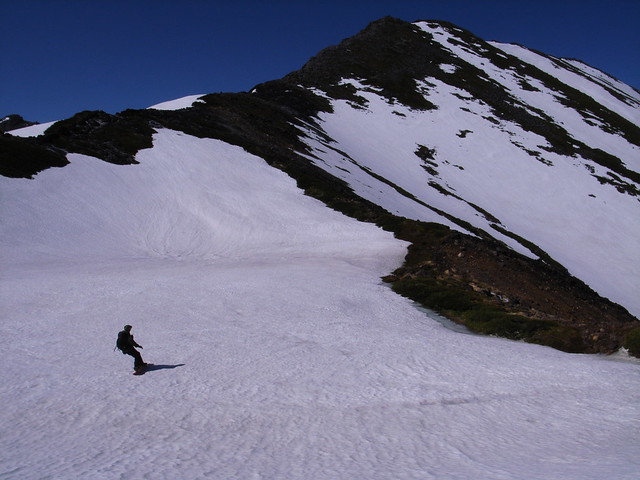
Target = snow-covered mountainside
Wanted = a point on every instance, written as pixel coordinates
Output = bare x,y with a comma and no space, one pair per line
461,160
532,159
278,352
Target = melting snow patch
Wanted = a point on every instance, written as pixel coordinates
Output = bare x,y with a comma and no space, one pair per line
448,68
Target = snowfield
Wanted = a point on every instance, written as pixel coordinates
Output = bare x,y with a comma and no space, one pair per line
279,353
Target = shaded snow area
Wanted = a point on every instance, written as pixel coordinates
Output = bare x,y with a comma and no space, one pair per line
460,159
279,354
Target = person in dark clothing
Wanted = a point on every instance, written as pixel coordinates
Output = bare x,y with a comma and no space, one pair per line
127,345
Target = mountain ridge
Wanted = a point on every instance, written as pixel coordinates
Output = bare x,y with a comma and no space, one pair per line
13,122
285,122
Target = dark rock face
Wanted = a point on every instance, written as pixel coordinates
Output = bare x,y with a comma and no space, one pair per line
391,56
13,122
112,138
25,157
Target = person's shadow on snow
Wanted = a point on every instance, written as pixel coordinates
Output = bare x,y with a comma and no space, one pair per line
151,368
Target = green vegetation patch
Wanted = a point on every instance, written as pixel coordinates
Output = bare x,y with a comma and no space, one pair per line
481,316
495,321
632,342
435,294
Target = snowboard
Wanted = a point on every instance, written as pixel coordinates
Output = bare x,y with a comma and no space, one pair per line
143,369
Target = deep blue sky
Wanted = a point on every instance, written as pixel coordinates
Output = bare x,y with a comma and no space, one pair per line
59,57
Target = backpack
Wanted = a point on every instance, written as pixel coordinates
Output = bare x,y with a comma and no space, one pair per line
121,343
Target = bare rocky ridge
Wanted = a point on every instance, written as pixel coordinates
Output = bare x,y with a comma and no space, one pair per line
13,122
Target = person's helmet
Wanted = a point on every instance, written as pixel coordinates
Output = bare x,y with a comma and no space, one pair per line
128,327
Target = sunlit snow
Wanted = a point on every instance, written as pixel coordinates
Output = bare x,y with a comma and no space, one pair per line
177,104
279,352
32,130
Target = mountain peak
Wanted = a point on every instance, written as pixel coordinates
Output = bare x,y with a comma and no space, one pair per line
403,61
388,54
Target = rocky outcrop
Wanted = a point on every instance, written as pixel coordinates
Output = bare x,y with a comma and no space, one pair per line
13,122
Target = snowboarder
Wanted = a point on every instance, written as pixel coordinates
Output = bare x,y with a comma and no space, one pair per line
127,345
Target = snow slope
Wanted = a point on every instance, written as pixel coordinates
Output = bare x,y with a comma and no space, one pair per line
278,352
178,103
489,172
32,130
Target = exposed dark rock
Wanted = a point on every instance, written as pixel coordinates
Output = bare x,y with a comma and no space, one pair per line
13,122
112,138
25,157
